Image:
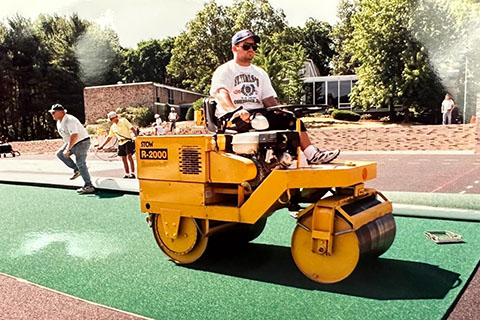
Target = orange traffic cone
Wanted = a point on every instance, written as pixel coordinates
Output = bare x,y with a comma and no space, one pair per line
473,120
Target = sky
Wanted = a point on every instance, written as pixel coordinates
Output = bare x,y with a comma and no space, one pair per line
139,20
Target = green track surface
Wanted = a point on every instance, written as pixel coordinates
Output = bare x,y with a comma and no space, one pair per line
99,248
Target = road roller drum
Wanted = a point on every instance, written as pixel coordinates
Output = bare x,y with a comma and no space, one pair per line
330,239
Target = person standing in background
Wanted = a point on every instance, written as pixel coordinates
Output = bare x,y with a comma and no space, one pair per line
447,107
173,118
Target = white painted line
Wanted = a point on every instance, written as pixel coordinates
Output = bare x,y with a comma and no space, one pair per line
413,163
454,160
469,187
393,159
462,192
476,181
446,163
423,159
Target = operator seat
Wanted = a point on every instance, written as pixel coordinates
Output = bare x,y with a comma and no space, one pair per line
209,107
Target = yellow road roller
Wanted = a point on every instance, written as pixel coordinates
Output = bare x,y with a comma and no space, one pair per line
196,187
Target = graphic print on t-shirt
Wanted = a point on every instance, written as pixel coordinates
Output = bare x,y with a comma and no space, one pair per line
246,89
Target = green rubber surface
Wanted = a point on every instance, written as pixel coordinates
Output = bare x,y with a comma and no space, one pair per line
99,248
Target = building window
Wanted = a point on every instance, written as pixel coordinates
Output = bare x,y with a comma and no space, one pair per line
170,96
345,89
320,92
157,94
333,94
308,93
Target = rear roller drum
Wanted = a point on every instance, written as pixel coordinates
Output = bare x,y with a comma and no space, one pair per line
188,245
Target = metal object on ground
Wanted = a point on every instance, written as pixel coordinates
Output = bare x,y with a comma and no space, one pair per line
443,236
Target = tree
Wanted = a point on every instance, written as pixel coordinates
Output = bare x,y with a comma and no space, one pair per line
39,66
148,62
283,63
342,33
98,52
316,39
394,68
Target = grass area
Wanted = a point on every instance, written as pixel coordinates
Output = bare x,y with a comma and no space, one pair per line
98,247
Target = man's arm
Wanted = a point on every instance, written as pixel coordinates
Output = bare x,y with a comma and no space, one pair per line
270,102
134,131
71,143
223,98
104,143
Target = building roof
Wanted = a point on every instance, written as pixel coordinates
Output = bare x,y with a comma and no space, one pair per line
143,83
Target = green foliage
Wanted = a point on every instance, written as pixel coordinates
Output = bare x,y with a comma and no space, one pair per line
148,62
140,116
198,104
40,65
342,34
315,38
99,54
190,114
283,63
346,115
393,67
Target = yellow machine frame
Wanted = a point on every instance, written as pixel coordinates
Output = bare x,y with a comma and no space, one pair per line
187,181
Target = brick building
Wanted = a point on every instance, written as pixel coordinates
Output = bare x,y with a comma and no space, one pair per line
100,100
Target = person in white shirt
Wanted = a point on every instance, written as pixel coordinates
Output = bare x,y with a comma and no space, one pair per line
173,118
240,83
158,125
77,142
447,107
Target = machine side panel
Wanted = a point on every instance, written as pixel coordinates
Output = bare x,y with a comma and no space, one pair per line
173,159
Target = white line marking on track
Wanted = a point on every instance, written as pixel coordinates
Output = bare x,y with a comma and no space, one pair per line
412,163
476,181
469,187
423,159
396,160
454,160
462,192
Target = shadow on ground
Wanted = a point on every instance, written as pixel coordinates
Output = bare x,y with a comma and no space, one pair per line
381,279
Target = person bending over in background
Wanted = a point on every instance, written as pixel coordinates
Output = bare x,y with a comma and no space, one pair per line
122,129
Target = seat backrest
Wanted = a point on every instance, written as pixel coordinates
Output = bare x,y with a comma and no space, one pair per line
209,107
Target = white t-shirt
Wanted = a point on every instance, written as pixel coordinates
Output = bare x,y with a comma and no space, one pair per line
70,125
447,105
247,86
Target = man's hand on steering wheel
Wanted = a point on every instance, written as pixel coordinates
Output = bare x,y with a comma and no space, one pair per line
243,114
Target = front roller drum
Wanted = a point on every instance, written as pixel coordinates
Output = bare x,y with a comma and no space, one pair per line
185,247
349,246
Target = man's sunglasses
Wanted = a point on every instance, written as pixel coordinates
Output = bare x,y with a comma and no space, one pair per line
246,46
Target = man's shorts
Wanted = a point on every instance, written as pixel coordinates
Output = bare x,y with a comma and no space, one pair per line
126,148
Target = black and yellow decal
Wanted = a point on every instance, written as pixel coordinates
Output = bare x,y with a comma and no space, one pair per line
154,154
